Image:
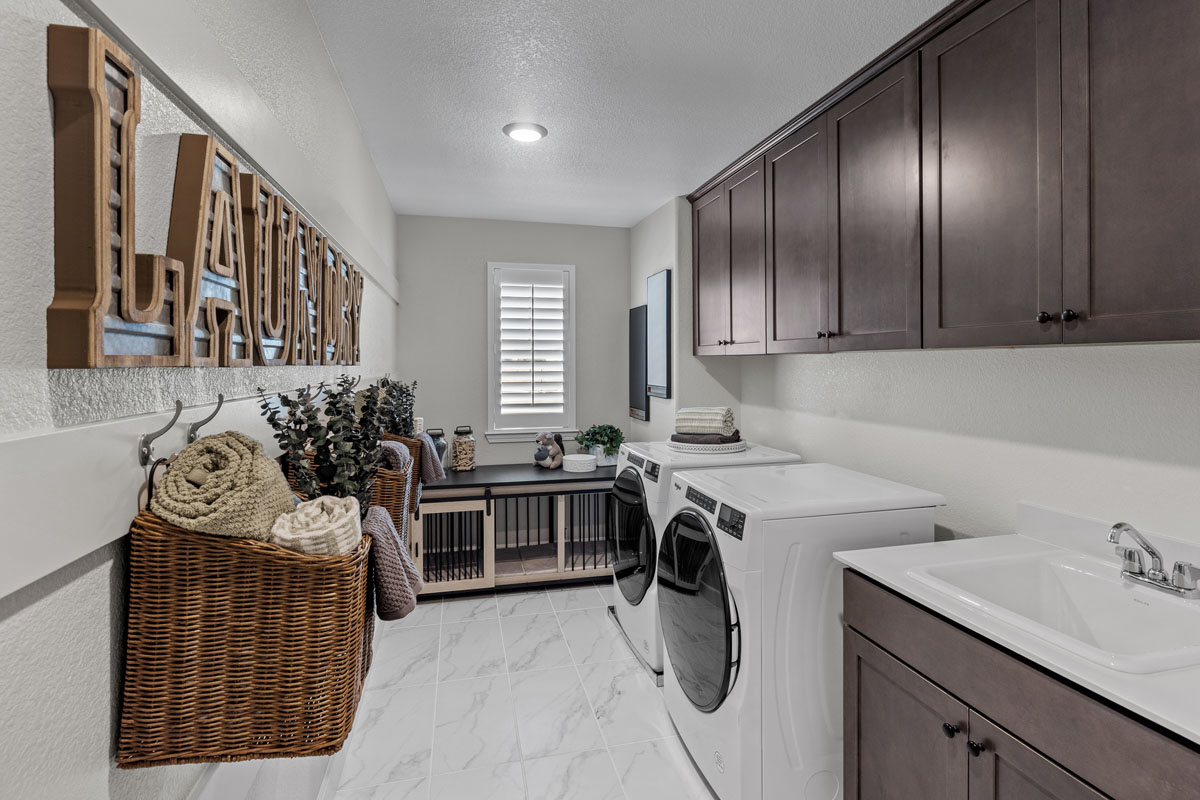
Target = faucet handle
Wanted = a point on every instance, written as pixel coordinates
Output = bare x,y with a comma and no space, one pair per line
1131,560
1184,575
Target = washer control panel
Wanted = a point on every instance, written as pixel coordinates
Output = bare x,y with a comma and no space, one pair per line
731,521
637,460
701,499
651,471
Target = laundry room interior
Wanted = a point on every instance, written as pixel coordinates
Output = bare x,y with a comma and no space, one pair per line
622,401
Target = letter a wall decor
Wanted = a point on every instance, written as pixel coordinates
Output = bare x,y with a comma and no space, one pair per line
246,280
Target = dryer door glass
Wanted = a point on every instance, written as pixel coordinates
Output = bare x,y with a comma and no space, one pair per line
693,604
633,536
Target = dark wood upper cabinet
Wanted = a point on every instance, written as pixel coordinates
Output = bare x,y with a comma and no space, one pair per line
1131,167
746,195
797,182
875,214
710,279
896,745
729,266
992,186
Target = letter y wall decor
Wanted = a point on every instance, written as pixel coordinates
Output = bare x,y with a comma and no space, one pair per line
246,280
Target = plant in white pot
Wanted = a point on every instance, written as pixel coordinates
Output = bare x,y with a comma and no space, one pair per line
602,441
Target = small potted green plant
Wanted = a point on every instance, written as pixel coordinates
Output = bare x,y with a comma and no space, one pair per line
602,441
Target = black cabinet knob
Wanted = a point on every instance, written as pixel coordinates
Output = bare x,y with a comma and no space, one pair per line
1069,316
1044,317
820,334
950,730
976,748
829,334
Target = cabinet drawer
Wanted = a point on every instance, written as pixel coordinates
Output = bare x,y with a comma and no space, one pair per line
1109,748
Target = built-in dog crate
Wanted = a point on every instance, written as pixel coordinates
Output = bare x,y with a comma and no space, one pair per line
512,524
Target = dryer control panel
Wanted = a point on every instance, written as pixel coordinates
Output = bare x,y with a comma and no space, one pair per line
651,471
731,520
701,499
636,460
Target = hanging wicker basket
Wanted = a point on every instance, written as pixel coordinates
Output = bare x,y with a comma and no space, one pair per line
414,449
237,649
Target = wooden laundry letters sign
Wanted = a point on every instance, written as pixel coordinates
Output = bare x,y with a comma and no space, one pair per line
246,280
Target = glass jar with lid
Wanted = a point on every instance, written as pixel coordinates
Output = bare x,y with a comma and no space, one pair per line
462,450
439,443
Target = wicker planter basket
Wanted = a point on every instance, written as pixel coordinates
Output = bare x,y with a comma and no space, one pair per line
237,649
414,449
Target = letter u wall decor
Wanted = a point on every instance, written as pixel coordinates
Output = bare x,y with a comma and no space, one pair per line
246,279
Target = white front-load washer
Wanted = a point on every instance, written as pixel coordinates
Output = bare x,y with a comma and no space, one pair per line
750,600
638,510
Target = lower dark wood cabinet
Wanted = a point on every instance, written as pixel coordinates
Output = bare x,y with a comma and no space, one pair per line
933,712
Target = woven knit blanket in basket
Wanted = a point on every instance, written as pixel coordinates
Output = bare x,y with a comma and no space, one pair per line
325,526
223,484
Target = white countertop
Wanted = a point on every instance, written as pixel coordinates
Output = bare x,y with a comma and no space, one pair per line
1170,699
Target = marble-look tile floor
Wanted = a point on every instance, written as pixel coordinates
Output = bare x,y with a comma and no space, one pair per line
528,695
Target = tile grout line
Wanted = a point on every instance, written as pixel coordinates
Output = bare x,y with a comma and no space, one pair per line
512,699
437,676
579,676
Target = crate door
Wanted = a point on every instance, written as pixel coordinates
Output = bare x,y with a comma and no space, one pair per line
457,545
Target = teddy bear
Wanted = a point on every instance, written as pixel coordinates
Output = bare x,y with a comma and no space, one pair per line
550,453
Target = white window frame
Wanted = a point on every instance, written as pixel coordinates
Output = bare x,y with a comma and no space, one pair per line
567,422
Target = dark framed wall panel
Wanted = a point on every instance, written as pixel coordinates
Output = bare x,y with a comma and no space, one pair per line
639,390
875,214
992,181
1131,165
710,273
797,181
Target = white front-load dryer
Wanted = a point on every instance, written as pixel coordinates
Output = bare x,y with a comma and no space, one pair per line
750,600
639,508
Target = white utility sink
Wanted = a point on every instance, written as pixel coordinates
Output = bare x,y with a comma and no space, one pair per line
1079,603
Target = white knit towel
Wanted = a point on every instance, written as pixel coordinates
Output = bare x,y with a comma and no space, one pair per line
326,526
705,419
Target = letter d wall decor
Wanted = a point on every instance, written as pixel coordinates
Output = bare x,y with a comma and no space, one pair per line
246,279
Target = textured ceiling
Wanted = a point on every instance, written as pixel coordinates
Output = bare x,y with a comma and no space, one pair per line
644,99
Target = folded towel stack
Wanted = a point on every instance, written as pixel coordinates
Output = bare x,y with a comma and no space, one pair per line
224,485
324,526
714,419
397,579
707,438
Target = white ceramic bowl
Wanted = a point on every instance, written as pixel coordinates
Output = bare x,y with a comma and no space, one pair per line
579,463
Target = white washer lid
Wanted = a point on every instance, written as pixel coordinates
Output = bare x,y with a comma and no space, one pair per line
807,490
753,454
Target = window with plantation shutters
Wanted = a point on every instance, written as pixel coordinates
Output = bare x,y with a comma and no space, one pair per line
531,364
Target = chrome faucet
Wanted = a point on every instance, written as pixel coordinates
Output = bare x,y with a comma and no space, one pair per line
1184,576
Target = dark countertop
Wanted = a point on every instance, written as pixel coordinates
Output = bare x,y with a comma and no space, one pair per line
517,474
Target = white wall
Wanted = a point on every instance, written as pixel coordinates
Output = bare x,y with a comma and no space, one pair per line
60,636
664,240
442,339
1108,431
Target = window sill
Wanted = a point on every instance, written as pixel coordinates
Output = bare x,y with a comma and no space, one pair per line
526,436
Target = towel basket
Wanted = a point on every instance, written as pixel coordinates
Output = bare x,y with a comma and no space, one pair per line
415,450
238,649
387,491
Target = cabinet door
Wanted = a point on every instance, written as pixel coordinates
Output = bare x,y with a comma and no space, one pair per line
798,241
710,278
1007,769
745,194
896,745
992,185
1131,167
875,214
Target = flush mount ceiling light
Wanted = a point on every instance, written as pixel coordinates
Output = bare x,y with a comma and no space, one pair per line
524,131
